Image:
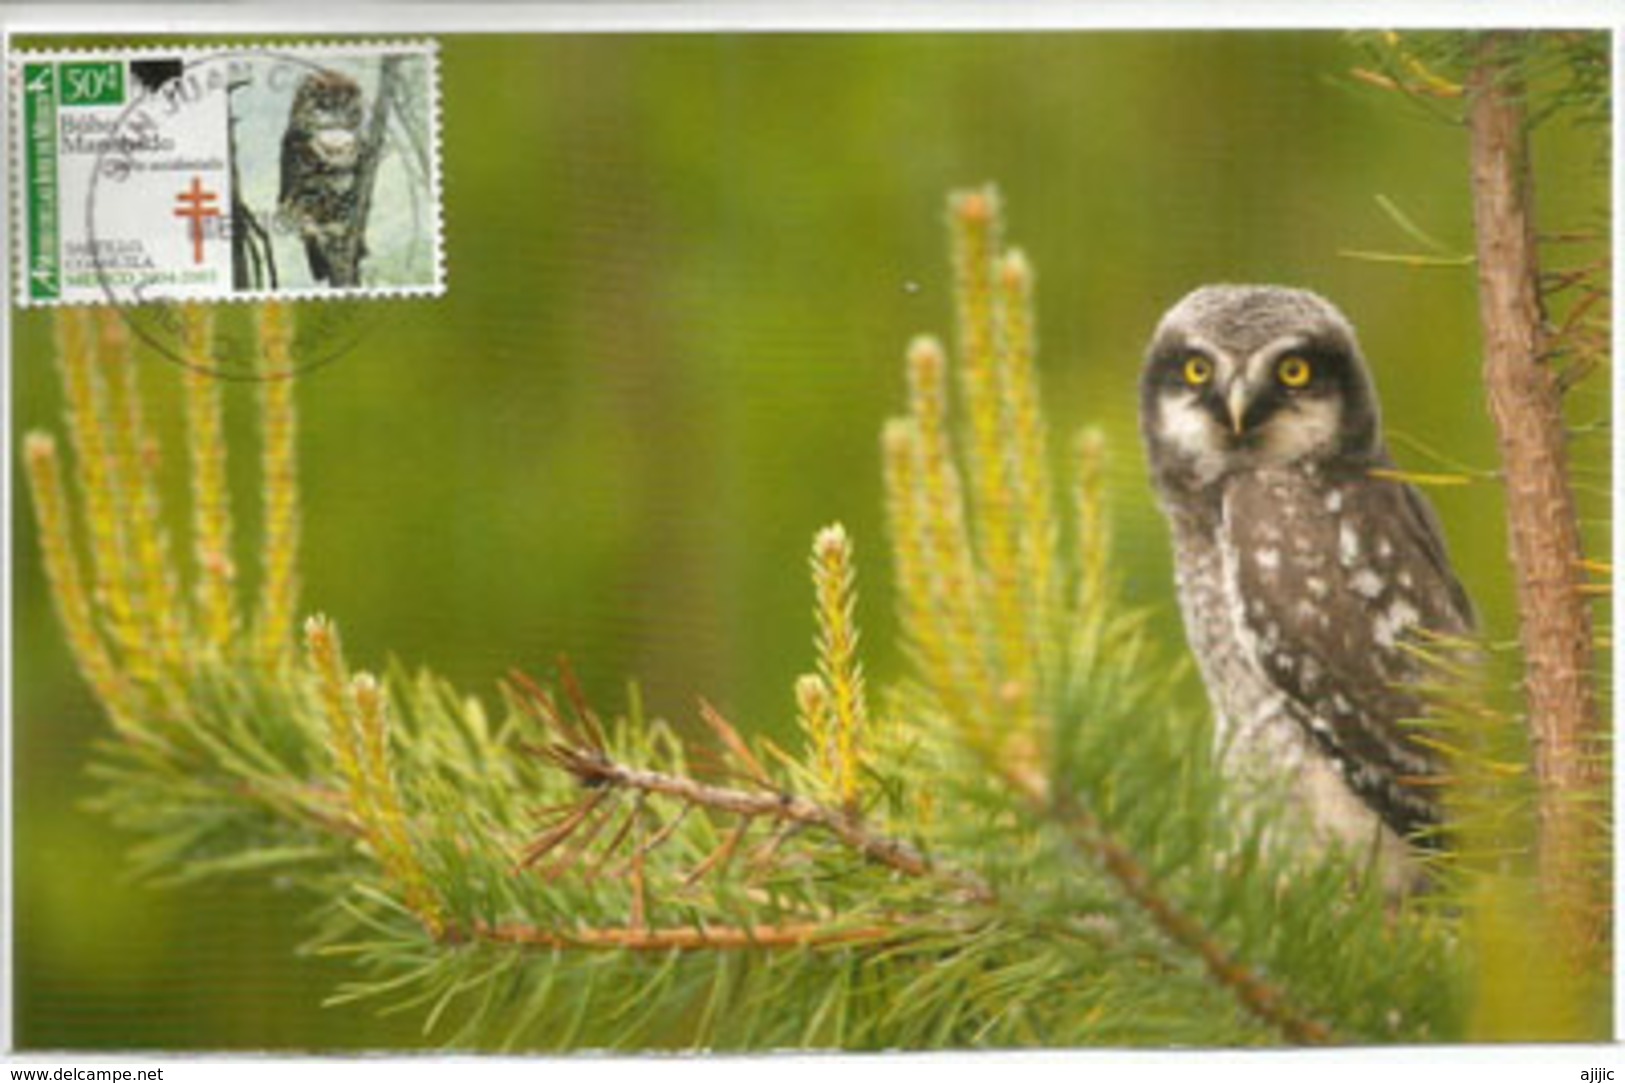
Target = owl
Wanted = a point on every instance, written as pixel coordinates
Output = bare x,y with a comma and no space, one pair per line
321,153
1307,574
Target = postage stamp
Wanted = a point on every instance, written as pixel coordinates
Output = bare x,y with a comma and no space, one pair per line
161,175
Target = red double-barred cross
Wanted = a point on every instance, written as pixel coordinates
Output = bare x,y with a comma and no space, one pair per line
197,204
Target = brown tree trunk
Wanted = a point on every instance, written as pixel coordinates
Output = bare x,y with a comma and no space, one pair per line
1525,400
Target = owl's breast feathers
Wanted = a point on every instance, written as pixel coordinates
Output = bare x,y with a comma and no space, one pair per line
1337,582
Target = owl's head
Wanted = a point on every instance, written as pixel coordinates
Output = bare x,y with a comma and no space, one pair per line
327,99
1242,377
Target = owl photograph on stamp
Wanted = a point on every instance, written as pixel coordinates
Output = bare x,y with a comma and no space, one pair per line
1026,537
346,143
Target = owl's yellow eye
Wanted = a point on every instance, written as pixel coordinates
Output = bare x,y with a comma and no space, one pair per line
1198,370
1294,372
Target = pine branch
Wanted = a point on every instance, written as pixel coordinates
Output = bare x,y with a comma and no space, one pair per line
711,938
594,769
1262,998
1525,397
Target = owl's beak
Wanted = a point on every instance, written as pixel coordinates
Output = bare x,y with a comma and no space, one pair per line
1236,403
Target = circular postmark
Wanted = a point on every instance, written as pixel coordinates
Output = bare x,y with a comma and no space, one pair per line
274,175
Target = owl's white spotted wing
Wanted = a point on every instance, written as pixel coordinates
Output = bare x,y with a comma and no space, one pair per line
1335,582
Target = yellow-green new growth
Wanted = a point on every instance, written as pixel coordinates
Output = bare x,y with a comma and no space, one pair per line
326,658
358,737
974,220
279,591
951,633
211,503
817,719
62,568
835,586
978,565
153,589
126,612
389,830
1026,447
100,488
911,544
1093,525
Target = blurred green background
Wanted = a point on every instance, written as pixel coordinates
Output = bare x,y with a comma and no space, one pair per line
681,274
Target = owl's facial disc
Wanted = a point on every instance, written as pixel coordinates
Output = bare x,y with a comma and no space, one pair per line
1285,403
1239,378
1219,413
